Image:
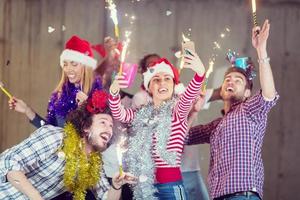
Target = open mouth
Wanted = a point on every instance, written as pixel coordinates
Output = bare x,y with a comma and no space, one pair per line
105,136
229,89
71,76
162,90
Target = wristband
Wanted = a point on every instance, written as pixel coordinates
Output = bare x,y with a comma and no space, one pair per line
114,94
112,185
263,60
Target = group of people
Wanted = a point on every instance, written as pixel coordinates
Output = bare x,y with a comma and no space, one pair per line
72,154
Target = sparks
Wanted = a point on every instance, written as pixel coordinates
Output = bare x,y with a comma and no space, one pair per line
185,39
113,15
124,50
217,45
210,68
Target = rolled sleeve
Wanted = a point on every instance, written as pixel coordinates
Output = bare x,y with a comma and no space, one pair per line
42,143
257,107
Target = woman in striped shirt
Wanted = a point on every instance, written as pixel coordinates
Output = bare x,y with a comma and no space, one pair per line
158,129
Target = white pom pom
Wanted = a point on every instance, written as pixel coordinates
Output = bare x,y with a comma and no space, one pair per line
179,88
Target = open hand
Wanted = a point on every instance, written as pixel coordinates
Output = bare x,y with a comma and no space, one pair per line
193,62
199,102
260,36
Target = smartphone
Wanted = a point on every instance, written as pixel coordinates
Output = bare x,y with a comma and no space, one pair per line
186,46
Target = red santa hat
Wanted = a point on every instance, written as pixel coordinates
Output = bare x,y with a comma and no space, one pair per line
78,50
99,48
163,65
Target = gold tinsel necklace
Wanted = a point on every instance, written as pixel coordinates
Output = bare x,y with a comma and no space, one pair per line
81,171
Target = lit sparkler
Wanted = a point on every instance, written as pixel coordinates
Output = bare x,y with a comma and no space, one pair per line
120,151
113,15
124,50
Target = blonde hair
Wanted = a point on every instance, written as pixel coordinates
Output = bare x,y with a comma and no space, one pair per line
87,79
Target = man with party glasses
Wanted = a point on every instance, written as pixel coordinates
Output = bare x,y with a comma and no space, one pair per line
236,168
54,160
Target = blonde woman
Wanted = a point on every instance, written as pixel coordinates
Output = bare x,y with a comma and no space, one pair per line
77,81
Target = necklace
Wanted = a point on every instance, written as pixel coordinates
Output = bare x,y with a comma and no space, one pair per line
81,171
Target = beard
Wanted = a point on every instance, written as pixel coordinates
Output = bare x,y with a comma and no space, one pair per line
100,147
232,98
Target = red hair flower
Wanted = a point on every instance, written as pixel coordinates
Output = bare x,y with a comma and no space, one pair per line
98,102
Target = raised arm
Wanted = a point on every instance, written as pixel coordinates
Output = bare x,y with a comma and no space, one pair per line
185,102
124,115
259,42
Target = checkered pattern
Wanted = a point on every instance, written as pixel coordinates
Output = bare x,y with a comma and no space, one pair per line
235,145
37,157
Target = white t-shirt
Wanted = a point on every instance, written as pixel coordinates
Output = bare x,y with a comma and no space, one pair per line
109,156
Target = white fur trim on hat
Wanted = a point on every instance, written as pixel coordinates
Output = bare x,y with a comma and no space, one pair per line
76,56
152,71
179,88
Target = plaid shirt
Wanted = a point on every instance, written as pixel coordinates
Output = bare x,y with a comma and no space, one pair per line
38,158
235,146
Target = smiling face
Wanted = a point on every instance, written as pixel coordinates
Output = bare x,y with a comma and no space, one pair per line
234,87
161,87
100,132
73,71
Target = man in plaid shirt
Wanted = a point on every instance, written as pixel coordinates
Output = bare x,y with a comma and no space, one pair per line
34,169
236,168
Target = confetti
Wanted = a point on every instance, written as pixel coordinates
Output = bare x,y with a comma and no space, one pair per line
50,29
168,12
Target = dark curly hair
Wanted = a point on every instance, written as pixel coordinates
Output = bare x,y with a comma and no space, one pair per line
143,61
82,119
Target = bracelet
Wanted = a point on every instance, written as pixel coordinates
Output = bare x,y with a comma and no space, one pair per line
263,60
114,94
112,185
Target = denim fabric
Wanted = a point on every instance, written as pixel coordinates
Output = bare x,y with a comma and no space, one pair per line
171,191
241,197
194,185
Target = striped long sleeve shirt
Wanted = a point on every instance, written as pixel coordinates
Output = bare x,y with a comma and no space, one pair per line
179,121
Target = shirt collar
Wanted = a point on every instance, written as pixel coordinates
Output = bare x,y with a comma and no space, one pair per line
232,107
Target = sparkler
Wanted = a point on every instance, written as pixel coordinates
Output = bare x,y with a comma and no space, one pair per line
120,151
124,50
254,13
4,90
208,72
113,15
180,55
